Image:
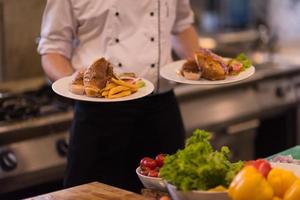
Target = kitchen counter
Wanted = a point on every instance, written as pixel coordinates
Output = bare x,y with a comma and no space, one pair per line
91,191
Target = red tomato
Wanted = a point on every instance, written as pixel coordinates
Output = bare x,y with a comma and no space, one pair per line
153,173
143,168
262,165
144,172
127,80
148,162
157,169
160,158
237,67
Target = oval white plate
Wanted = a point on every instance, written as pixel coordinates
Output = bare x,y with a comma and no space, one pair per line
171,72
196,194
287,166
61,87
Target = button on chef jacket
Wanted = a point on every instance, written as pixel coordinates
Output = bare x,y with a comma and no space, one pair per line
133,35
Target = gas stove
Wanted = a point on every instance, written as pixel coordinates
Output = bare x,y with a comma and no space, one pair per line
34,128
31,104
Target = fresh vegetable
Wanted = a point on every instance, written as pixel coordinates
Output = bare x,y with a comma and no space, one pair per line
262,165
293,193
249,184
234,67
151,167
285,159
160,159
219,188
152,173
140,83
244,60
148,162
281,183
144,171
280,180
198,166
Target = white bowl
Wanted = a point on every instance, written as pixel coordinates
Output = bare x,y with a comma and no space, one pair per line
154,183
287,166
196,194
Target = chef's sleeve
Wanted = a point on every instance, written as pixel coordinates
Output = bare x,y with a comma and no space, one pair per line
184,16
58,28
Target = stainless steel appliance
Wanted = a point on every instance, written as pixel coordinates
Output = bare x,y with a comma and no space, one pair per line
231,114
33,142
278,104
246,117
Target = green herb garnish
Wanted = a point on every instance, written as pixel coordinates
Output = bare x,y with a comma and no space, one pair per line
244,60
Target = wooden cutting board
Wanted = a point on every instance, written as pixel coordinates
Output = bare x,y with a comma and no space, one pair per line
91,191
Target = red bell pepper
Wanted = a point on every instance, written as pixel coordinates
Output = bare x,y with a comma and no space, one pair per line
262,165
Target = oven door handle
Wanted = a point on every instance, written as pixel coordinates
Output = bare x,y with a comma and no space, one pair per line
243,126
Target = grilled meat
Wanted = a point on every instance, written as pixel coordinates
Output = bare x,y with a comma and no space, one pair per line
213,67
96,76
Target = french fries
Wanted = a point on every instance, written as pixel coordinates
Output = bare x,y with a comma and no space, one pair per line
123,83
117,89
120,94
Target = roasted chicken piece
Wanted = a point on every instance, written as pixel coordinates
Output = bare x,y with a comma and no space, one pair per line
77,86
96,77
213,67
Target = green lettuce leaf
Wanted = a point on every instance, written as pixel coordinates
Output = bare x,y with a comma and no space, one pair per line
244,60
198,166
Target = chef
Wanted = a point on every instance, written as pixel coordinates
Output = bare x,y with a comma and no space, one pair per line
107,140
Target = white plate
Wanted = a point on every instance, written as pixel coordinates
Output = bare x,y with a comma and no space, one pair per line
171,72
195,194
287,166
61,87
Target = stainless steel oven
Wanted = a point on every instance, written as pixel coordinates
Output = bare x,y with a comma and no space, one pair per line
255,119
231,115
278,104
34,128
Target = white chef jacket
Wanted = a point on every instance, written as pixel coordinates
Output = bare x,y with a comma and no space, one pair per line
134,35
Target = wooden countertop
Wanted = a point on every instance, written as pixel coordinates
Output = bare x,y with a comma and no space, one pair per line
91,191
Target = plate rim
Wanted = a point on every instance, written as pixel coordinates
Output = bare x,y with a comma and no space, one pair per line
70,95
250,71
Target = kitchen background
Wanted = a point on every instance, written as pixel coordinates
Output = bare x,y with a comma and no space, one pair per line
255,118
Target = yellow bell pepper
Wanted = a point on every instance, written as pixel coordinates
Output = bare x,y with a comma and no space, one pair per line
280,180
249,184
276,198
293,193
219,188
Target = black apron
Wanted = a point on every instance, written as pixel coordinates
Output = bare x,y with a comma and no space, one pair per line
108,140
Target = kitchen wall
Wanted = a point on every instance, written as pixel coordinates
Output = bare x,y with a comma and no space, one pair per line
19,29
222,15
